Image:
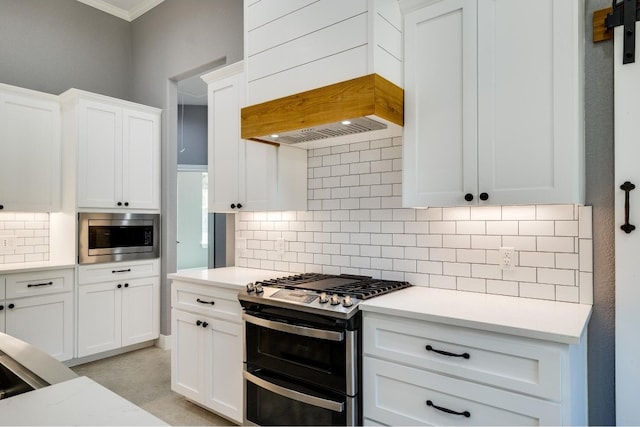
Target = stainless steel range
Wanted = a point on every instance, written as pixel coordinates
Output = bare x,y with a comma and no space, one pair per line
303,348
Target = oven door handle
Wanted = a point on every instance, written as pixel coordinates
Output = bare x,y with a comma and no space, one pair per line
319,402
293,329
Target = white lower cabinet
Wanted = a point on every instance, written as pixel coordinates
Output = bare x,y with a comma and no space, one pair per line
425,373
122,311
206,353
37,307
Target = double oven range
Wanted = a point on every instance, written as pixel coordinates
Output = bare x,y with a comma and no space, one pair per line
303,348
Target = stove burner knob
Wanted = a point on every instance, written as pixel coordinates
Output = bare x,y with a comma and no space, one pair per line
323,298
346,301
335,299
250,287
259,289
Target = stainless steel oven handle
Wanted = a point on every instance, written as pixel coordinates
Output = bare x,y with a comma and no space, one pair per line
295,395
293,329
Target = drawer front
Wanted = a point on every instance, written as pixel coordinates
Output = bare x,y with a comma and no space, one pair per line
513,363
38,283
400,395
96,273
206,300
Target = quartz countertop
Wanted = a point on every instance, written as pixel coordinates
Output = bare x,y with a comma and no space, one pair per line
80,401
25,267
548,320
226,277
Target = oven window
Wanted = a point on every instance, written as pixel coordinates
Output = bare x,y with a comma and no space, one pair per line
265,407
105,237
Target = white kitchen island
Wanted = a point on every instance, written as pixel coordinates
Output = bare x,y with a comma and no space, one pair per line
79,401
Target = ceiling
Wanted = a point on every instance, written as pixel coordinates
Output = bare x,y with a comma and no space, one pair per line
125,9
192,91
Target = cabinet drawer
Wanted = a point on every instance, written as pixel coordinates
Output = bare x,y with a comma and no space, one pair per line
96,273
206,300
397,395
509,362
38,283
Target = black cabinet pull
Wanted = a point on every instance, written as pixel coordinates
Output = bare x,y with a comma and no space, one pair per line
233,205
121,271
199,322
205,302
1,206
448,411
484,196
1,307
468,197
239,205
446,353
126,203
33,285
119,203
11,306
627,187
205,324
119,285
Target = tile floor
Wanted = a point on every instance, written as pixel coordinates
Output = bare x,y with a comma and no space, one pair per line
144,378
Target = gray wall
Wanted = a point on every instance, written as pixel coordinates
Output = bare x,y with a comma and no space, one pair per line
54,45
600,192
170,42
192,135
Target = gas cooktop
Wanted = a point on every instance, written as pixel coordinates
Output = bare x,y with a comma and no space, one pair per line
332,295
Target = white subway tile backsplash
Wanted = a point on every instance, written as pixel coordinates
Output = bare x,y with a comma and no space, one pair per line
31,232
356,224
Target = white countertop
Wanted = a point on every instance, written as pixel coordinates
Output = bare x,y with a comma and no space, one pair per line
25,267
532,318
80,401
226,277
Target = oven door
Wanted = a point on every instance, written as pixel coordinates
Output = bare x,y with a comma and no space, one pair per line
272,399
301,351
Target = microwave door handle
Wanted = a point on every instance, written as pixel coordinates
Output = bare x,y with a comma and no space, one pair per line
295,395
293,329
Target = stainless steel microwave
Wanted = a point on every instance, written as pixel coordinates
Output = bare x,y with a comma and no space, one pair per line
109,237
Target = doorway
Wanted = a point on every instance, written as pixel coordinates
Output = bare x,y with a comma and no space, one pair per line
193,228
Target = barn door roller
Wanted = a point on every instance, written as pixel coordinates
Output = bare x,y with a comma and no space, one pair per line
625,13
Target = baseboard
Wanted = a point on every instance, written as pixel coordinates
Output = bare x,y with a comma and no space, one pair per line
164,342
110,353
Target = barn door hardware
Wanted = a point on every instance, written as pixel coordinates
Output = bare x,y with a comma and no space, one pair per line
627,187
625,13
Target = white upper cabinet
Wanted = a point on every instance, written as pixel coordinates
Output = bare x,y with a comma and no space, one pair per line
30,150
493,102
245,175
118,150
293,46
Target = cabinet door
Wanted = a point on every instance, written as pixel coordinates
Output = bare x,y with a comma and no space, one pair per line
140,310
99,155
259,184
44,321
30,153
440,133
226,149
224,357
187,355
141,160
99,318
529,129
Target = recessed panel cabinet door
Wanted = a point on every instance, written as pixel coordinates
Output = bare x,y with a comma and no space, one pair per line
141,160
140,310
99,318
30,150
529,129
440,134
260,182
99,155
188,370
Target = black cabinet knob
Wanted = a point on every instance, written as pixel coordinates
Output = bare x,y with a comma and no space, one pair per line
11,306
199,322
239,206
233,205
119,285
484,196
126,203
1,206
126,285
205,324
1,307
468,197
119,203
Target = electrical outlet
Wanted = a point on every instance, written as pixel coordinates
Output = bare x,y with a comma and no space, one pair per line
507,258
280,248
7,244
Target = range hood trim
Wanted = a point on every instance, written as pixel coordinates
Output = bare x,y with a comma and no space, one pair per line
370,96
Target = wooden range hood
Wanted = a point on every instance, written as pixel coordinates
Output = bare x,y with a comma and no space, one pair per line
334,114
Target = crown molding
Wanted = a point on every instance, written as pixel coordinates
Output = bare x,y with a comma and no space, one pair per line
128,15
